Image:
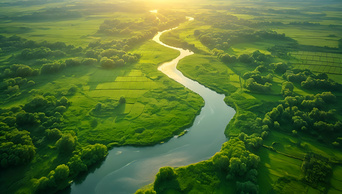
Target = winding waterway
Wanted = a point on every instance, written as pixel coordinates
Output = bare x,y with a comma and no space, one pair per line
128,168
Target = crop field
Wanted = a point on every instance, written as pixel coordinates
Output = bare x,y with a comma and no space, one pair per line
330,63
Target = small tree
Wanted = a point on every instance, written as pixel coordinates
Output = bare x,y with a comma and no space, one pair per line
66,144
166,179
61,172
122,100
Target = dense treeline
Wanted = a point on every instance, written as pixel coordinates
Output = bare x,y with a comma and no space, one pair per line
307,114
309,80
36,130
258,80
78,163
39,123
18,124
234,163
139,31
224,40
145,28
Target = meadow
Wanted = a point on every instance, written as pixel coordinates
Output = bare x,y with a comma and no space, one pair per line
284,150
79,78
78,93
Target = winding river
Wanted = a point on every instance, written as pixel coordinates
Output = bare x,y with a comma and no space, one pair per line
128,168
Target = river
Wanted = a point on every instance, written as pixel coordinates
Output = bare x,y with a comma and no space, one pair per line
128,168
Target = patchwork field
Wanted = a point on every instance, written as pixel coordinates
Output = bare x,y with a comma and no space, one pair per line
330,63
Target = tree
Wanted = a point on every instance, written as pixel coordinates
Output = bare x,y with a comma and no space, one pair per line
221,161
237,167
122,100
61,172
76,165
93,153
50,68
247,187
43,183
63,102
66,144
119,63
244,58
107,63
316,169
166,179
89,61
73,62
287,89
280,68
53,134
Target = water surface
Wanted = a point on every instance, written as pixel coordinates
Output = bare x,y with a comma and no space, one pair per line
128,168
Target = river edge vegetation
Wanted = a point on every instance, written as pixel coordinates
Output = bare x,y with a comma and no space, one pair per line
64,105
286,134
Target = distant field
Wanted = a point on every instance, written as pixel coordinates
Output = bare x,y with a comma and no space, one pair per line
319,62
312,35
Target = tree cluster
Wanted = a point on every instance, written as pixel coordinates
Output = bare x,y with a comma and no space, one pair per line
16,147
18,123
239,163
166,179
307,114
308,80
224,39
78,163
57,176
253,85
317,170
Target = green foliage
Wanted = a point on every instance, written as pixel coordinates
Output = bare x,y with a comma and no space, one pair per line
252,85
73,62
53,180
247,187
61,172
20,70
43,183
16,148
93,153
107,63
257,77
280,68
53,134
122,100
89,61
221,161
51,68
66,144
76,165
241,160
226,58
287,89
317,170
309,114
165,180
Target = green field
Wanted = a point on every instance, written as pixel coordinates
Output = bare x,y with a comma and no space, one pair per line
282,153
79,78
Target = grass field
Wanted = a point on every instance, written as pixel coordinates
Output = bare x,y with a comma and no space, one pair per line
77,31
154,107
157,108
285,158
316,36
320,62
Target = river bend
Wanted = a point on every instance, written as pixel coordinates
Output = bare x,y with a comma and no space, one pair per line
128,168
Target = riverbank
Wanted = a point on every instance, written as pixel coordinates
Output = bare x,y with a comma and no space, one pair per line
128,168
